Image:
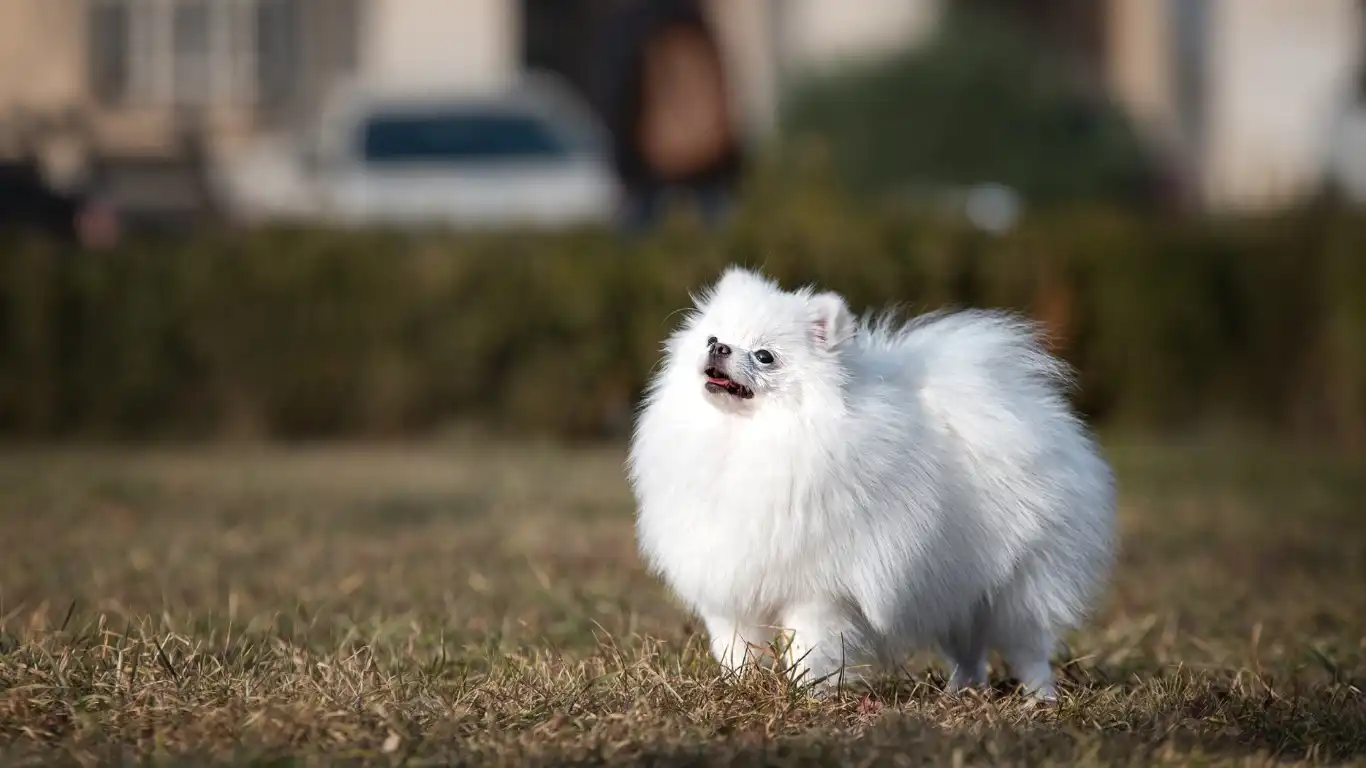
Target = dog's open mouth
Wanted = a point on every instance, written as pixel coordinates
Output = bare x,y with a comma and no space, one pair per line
718,382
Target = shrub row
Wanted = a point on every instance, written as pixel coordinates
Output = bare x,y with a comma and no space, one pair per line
291,333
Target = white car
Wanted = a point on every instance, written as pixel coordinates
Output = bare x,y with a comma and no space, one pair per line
532,156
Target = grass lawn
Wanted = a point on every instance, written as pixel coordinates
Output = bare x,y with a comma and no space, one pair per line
485,604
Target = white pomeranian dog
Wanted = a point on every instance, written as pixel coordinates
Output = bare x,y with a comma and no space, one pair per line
855,490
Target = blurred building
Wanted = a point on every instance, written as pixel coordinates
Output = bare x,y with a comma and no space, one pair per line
145,93
1246,95
154,87
1242,97
136,66
1241,94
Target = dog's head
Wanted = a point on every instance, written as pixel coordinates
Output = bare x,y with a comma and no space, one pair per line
750,343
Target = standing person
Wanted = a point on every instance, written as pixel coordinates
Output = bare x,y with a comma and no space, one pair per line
29,205
667,106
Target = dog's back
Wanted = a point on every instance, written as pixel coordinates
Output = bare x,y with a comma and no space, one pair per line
1024,466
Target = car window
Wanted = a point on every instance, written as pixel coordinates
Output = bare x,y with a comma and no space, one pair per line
458,137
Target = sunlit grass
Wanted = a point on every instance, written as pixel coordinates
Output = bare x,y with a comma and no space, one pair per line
486,604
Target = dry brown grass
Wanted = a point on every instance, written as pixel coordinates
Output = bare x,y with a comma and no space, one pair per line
485,605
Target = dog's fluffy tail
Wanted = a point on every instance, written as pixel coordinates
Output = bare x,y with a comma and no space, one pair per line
975,354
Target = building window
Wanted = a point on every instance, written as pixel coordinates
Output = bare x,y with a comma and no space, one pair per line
191,52
110,31
278,61
174,52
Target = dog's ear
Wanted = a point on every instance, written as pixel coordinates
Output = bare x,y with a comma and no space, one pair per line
831,322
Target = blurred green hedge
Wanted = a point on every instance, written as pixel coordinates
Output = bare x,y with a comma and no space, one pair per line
980,102
1172,324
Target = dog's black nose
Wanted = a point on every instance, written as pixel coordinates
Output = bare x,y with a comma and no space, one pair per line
720,350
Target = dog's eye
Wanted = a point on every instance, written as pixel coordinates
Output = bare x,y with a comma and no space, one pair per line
711,340
764,356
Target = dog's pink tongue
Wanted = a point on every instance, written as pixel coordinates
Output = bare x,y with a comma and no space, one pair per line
718,382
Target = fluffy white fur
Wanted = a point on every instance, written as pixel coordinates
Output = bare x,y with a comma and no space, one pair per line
875,489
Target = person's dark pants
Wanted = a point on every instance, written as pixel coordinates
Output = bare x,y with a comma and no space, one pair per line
645,207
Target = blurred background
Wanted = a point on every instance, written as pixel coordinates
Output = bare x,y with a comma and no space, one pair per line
291,219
